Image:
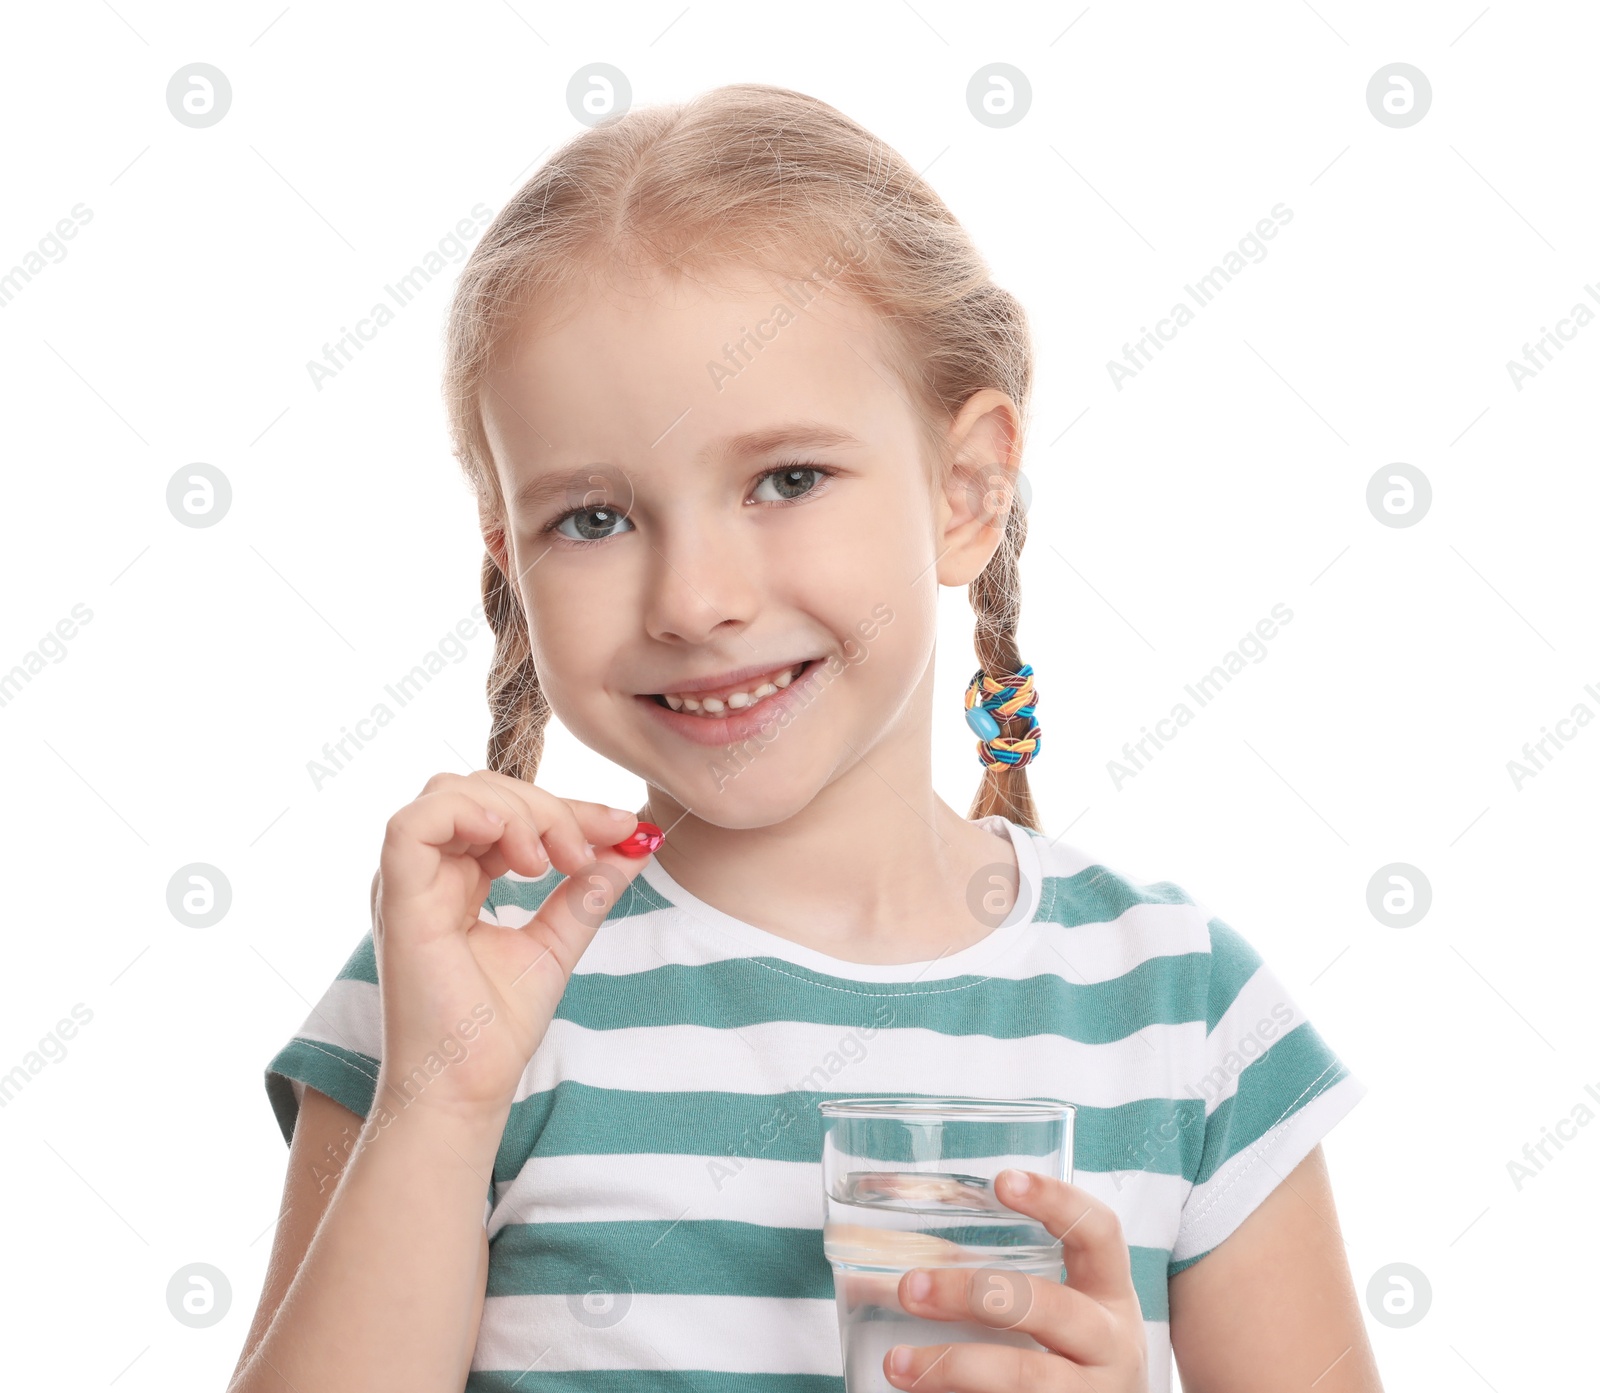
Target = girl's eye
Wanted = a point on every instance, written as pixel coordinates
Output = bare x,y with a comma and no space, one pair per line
592,524
791,482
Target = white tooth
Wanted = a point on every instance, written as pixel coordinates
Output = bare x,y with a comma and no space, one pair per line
734,700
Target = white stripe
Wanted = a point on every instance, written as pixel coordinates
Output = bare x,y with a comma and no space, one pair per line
1158,1356
1102,951
777,1056
660,1331
667,1187
1245,1031
349,1014
651,1186
655,1330
1148,1204
1214,1210
1065,859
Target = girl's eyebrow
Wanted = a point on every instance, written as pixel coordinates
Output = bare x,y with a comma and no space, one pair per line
793,435
543,488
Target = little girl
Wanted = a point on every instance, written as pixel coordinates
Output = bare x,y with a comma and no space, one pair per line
738,397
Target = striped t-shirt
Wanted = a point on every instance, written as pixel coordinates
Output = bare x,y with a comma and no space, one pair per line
655,1214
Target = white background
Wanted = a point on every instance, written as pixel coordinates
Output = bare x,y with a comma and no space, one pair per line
1168,517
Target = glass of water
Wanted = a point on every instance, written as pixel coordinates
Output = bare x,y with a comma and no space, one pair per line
909,1182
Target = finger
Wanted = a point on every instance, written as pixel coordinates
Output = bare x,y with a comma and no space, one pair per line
572,826
1092,1246
543,823
976,1368
530,859
517,837
446,822
519,847
582,901
602,824
1058,1317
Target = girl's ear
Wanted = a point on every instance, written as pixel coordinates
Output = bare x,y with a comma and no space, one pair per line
494,541
985,442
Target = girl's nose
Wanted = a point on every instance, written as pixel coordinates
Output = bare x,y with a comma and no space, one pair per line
698,588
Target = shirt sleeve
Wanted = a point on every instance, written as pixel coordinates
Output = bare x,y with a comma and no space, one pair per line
339,1045
1272,1090
337,1048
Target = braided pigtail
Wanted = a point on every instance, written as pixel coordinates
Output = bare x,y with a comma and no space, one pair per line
996,598
518,710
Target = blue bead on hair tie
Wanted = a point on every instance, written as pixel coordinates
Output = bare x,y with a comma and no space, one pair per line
983,724
992,700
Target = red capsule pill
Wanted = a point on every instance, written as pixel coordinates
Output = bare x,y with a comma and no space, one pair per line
645,839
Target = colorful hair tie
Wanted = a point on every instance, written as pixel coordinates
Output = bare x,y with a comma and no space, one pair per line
991,700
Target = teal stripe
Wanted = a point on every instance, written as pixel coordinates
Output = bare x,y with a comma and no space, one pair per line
1233,963
1150,1279
1161,1135
1297,1068
362,964
975,1235
346,1076
524,894
1173,1268
647,1381
1096,895
735,992
703,1257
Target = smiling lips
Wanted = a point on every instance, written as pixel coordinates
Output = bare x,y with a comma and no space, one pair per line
718,701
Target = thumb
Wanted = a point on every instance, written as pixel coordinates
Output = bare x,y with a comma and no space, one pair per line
1093,1249
580,903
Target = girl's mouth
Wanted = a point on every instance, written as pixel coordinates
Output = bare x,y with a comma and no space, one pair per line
709,706
763,706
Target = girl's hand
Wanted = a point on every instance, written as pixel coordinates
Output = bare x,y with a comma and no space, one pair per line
466,1002
1091,1325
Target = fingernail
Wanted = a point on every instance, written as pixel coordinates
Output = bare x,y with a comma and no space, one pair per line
919,1285
617,815
1018,1182
588,850
493,816
900,1359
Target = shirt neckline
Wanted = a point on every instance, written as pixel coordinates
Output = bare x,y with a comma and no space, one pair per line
759,942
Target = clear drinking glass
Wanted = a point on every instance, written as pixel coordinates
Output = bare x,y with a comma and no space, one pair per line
909,1182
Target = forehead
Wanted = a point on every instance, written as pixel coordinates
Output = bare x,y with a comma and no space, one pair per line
656,366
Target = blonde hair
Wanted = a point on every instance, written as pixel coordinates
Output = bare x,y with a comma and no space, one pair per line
763,176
